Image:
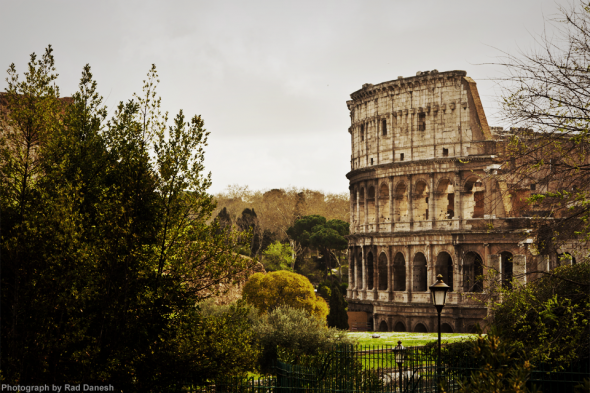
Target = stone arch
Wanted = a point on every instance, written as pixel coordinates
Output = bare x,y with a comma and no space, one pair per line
420,201
362,206
399,272
383,327
370,271
384,203
444,200
399,327
472,272
507,269
472,329
473,200
420,328
383,276
401,202
420,283
446,328
371,204
444,266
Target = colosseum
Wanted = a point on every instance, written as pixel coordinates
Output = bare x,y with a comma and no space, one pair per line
425,201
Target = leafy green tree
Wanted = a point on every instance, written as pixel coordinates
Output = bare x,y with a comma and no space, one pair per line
327,236
282,288
277,256
338,317
105,242
549,317
292,335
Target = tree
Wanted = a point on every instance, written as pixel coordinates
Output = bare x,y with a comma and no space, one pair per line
118,215
277,257
338,317
546,94
282,288
549,318
327,236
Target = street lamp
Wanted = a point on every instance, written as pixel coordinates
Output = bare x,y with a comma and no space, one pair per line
439,297
400,357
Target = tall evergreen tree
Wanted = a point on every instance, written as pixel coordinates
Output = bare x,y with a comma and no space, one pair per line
338,317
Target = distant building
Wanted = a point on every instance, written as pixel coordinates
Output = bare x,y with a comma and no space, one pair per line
425,201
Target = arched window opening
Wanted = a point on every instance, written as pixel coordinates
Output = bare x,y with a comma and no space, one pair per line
474,198
371,202
565,259
420,272
362,206
421,201
444,266
384,203
420,328
399,327
445,200
383,278
384,127
401,203
370,275
362,133
383,327
507,270
446,328
472,272
399,272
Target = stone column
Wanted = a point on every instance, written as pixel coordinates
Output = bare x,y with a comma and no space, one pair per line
458,204
358,213
409,272
366,221
519,268
377,192
431,204
410,201
391,199
350,276
390,273
363,283
352,218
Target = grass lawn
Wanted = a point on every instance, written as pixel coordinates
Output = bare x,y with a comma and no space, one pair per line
407,339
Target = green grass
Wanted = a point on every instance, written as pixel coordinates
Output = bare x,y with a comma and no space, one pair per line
407,339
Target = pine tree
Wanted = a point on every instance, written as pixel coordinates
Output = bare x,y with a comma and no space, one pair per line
338,317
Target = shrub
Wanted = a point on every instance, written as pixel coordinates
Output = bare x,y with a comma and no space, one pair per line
293,336
266,292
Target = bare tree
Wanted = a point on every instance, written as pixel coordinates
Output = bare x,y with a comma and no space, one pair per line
546,96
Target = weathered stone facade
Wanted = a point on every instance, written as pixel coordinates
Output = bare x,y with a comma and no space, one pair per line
424,202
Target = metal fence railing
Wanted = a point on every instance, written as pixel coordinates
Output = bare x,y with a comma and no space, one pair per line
375,369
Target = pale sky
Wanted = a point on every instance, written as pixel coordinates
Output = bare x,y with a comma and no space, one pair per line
270,78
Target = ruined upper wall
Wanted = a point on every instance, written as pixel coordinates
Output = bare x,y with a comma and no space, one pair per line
430,115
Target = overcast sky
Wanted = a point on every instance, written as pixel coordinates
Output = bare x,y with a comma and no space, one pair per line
270,78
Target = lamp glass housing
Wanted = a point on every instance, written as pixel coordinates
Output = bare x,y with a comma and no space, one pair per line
438,292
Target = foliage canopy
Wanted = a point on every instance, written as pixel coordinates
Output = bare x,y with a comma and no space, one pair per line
105,245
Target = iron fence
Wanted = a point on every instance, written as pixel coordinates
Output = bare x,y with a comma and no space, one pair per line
371,369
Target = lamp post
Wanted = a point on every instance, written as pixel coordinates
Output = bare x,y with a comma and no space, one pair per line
400,357
439,297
